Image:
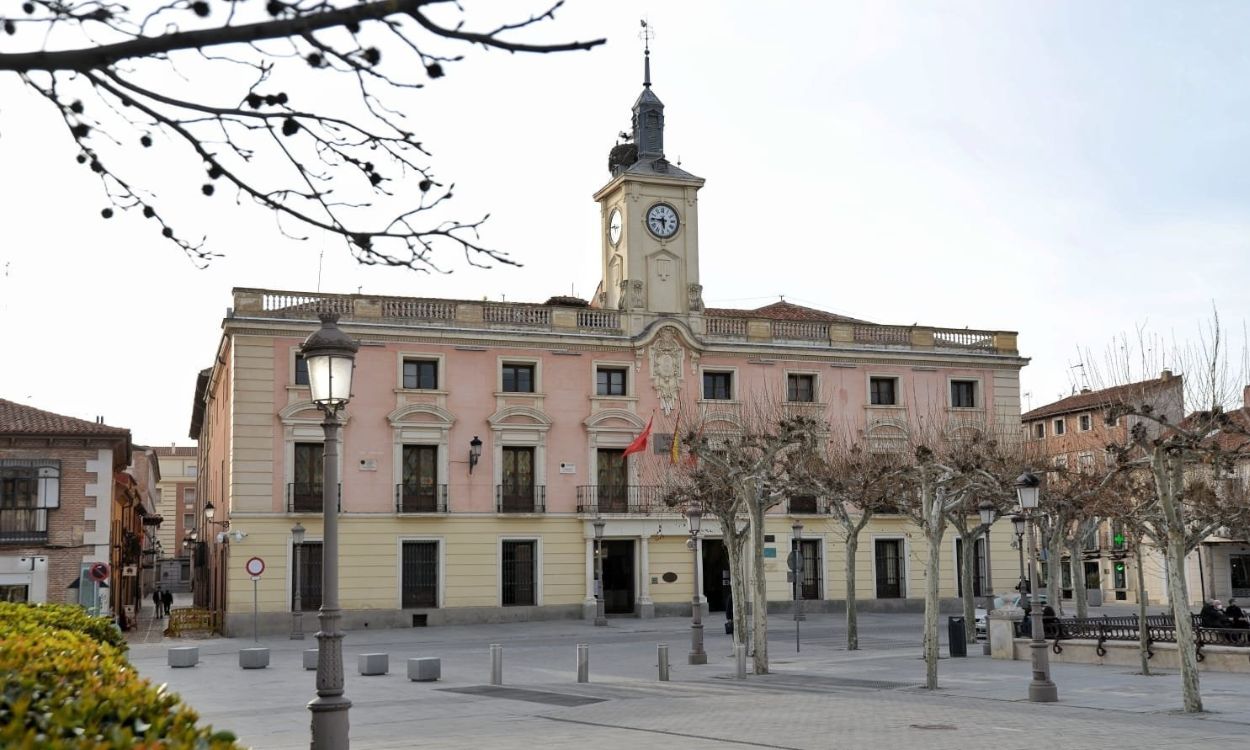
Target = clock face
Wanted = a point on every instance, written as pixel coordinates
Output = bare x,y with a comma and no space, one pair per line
614,226
662,220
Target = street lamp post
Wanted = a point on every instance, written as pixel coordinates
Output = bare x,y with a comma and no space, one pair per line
1041,689
297,609
1018,521
988,515
797,528
600,617
331,356
694,515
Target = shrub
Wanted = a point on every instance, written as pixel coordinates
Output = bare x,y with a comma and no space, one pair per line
66,686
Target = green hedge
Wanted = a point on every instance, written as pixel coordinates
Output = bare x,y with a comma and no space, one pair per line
68,686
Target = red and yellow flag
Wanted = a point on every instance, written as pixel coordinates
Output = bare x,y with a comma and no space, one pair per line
640,443
675,451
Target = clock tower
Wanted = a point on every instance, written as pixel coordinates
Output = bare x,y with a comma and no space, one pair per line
650,221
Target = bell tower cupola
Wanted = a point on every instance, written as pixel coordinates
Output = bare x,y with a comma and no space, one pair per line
650,217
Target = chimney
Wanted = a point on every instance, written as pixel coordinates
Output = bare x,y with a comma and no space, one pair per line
1085,390
1165,375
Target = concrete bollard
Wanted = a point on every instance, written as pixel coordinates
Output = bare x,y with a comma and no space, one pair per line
583,662
662,650
253,658
184,656
496,664
740,655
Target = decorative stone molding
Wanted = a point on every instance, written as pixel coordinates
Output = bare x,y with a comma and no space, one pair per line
667,357
694,297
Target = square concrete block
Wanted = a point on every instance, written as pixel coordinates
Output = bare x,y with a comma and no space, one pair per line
184,656
310,658
373,663
253,658
425,669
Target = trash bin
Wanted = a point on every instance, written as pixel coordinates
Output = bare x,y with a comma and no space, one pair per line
956,639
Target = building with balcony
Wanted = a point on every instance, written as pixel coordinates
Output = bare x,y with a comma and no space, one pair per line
62,485
483,438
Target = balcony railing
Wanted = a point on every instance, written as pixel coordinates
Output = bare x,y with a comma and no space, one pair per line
22,525
634,499
520,499
305,497
807,505
413,498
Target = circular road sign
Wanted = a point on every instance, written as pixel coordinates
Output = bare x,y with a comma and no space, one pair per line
99,572
255,566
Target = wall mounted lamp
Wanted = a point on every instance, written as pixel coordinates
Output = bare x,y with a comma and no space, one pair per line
475,452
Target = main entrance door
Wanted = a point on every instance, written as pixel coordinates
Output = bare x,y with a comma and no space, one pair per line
715,574
889,555
618,576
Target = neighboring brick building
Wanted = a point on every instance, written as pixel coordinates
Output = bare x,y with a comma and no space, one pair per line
59,487
176,500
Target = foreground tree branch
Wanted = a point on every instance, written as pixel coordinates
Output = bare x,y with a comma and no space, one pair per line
298,106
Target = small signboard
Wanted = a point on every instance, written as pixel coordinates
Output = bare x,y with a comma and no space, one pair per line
255,566
770,552
99,572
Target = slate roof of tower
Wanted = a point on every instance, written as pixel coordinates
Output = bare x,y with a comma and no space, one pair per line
19,419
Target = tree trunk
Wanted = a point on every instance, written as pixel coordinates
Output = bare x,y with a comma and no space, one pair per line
931,603
1143,632
967,565
759,590
1079,592
734,548
1178,592
852,622
1054,572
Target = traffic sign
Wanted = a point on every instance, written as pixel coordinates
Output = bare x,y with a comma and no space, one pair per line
794,561
255,566
99,572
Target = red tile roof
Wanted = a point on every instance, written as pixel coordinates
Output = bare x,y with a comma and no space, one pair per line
781,311
1097,399
19,419
175,450
1235,438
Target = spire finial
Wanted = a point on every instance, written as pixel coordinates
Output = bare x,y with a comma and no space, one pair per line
647,35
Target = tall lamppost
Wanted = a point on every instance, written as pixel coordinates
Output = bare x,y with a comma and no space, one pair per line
600,617
694,515
1019,521
297,609
797,528
331,356
988,515
1041,689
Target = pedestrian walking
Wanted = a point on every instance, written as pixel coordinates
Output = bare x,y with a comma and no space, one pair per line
167,598
158,601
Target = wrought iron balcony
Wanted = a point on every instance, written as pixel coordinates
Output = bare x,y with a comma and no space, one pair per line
416,498
510,498
807,505
629,499
23,525
305,497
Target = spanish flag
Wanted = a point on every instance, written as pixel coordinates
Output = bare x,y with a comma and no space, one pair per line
640,443
675,452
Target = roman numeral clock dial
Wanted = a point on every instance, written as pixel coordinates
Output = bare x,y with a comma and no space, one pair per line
662,220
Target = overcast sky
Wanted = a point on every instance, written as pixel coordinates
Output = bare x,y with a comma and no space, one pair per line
1069,170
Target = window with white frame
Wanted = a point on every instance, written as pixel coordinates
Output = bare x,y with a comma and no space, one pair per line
611,381
963,394
1059,426
517,377
718,385
800,387
883,391
1085,423
420,374
1039,430
1085,461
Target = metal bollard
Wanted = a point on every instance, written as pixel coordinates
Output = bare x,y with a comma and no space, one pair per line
740,654
663,661
496,664
583,662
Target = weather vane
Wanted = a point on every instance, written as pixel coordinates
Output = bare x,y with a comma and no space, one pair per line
646,35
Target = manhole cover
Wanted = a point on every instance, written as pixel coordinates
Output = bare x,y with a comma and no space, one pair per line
520,694
933,726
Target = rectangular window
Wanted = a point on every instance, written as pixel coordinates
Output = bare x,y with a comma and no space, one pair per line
305,491
421,374
188,522
718,386
418,492
963,394
1085,461
812,567
15,593
516,494
1086,423
192,470
882,391
803,504
612,491
23,517
801,388
1060,461
1039,430
1059,426
1239,573
518,378
308,564
610,381
188,496
301,370
519,573
419,576
978,567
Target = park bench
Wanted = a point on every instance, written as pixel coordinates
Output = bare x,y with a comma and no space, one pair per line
1159,629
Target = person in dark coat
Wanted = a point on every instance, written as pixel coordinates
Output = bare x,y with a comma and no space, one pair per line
1210,616
1236,616
1050,622
167,598
158,601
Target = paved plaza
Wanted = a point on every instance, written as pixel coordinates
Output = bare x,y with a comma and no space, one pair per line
822,697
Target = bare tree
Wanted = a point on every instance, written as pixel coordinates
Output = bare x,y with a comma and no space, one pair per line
300,106
856,482
965,519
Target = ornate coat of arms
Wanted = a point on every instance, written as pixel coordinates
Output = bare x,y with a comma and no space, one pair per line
667,357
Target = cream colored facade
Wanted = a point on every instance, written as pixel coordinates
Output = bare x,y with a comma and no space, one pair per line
649,338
